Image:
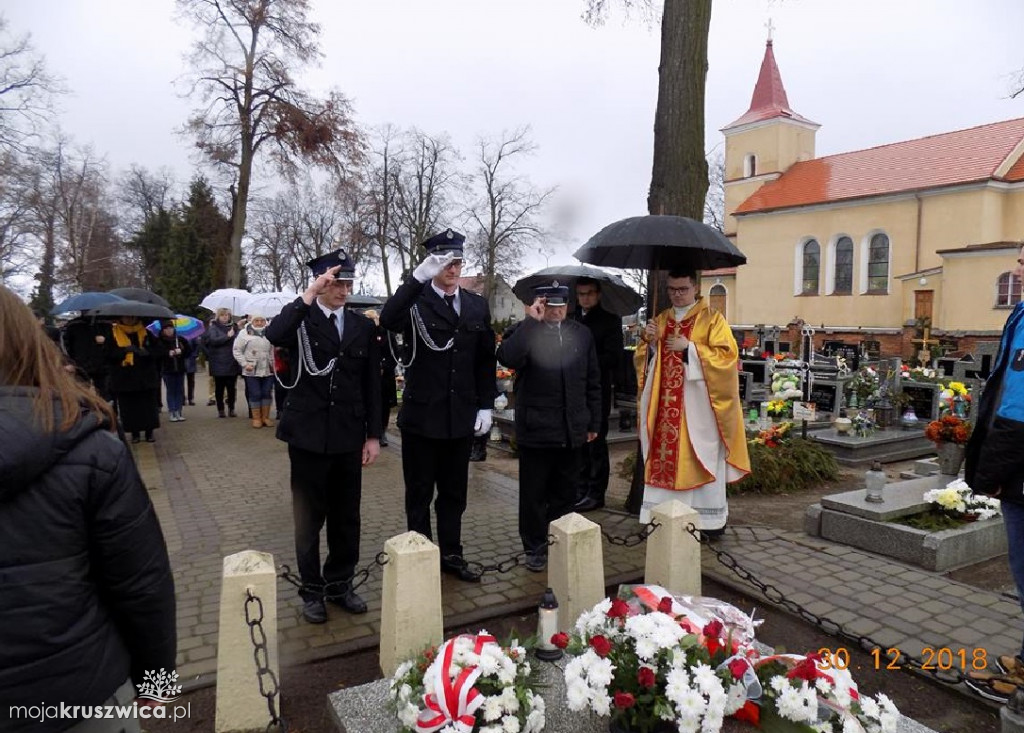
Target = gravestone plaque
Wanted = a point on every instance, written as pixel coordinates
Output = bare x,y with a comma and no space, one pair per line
851,354
757,368
745,379
871,349
944,365
826,396
924,399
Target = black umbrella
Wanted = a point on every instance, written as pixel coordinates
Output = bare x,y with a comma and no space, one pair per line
660,243
141,295
355,300
132,308
616,296
85,301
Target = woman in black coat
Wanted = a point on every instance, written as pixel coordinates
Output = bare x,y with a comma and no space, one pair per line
218,342
134,378
86,593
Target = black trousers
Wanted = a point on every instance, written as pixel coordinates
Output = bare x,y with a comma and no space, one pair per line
326,488
547,490
594,466
222,384
444,462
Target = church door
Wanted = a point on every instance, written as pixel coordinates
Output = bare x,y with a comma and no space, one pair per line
923,300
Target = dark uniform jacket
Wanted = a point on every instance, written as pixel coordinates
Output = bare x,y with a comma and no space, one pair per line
995,452
86,592
606,328
338,411
443,389
558,383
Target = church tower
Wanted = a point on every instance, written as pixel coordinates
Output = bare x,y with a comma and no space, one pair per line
765,141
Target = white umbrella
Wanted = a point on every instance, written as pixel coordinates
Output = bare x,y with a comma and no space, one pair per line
267,305
231,298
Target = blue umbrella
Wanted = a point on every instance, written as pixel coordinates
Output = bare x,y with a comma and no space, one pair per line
85,301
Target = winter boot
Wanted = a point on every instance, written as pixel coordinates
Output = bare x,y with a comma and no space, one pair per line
254,414
265,413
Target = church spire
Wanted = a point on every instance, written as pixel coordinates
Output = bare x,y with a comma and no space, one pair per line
769,100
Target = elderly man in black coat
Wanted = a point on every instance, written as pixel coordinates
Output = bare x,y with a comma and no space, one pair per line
332,424
449,391
606,328
558,411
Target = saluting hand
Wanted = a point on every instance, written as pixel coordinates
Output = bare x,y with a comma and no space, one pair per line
536,310
319,285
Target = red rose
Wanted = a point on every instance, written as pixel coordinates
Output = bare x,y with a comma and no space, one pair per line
645,676
738,667
619,609
665,604
561,640
624,700
806,669
601,645
713,628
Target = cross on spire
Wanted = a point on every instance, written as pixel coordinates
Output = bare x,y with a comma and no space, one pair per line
770,26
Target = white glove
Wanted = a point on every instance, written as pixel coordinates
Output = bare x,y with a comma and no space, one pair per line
431,266
483,422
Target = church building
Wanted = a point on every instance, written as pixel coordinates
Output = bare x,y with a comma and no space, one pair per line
871,245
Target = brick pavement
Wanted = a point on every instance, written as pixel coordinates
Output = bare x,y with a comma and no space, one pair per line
220,487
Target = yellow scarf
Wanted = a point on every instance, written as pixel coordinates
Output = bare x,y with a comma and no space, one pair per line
122,338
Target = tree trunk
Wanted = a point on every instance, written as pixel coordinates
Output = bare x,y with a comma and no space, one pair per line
679,179
233,267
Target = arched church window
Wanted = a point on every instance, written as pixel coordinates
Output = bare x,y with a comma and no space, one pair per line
811,267
1008,290
749,165
878,264
717,298
843,267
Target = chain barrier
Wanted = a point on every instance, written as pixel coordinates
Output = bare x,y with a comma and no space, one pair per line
264,674
339,588
632,540
952,676
504,566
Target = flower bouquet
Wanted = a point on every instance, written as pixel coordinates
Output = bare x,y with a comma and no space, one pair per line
948,429
503,376
955,399
863,425
775,436
863,386
469,683
959,501
780,408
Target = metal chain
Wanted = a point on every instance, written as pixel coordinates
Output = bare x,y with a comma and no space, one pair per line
831,627
632,540
501,567
336,589
264,673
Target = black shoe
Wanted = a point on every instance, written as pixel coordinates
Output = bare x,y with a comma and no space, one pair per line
350,601
713,534
135,439
315,612
210,403
536,563
588,503
192,403
459,568
232,413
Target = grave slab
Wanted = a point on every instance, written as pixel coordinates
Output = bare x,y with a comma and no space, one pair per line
882,445
901,499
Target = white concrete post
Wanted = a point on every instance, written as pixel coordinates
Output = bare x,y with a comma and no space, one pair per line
410,614
673,554
240,706
575,567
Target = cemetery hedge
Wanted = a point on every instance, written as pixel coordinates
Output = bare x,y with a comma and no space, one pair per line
794,465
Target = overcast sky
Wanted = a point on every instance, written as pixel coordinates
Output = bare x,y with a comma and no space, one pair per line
869,71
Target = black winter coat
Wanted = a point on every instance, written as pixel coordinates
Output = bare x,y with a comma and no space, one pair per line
217,345
172,364
338,411
558,383
443,389
142,374
995,452
86,593
79,341
606,328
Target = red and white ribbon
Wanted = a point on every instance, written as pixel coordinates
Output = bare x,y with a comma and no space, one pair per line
455,700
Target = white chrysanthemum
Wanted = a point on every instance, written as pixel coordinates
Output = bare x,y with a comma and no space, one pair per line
869,707
887,704
509,700
492,708
599,672
851,725
408,715
510,724
735,698
488,665
677,684
577,694
534,722
601,703
490,729
791,705
822,685
711,724
705,678
537,704
779,683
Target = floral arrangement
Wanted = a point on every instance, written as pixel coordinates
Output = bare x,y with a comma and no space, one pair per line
948,429
780,408
920,374
785,385
690,662
863,424
864,384
469,683
504,373
954,399
958,500
774,436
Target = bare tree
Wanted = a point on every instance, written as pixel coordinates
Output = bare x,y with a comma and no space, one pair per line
714,201
141,193
507,207
1017,84
251,105
26,90
15,216
382,181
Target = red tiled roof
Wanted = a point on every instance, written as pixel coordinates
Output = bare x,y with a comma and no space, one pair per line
1016,172
473,283
963,156
769,99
